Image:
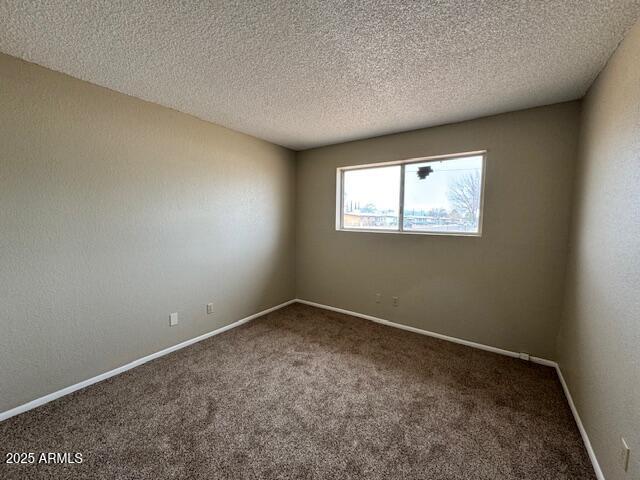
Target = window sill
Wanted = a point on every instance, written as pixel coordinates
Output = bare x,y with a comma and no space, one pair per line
404,232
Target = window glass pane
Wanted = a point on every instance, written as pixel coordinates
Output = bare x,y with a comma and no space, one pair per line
371,198
443,196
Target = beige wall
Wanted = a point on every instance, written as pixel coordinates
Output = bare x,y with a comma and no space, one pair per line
599,344
503,289
116,212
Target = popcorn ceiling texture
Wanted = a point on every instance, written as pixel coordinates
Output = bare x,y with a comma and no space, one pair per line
310,73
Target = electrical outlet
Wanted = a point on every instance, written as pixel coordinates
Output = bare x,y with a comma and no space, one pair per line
173,319
209,308
625,453
378,297
395,301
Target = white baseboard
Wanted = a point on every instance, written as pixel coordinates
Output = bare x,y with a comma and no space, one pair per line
103,376
541,361
583,432
66,391
468,343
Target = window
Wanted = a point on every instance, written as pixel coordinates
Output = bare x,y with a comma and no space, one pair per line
435,195
372,198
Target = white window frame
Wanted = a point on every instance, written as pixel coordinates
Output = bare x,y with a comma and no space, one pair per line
435,158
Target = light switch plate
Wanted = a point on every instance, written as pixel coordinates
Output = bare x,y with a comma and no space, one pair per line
173,319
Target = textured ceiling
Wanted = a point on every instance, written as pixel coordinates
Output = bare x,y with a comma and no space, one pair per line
314,72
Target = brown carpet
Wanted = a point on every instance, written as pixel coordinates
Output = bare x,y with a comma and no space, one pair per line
307,393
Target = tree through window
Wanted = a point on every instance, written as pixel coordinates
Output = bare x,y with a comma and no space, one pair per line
435,195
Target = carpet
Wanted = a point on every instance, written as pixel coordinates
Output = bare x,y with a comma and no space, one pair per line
305,393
